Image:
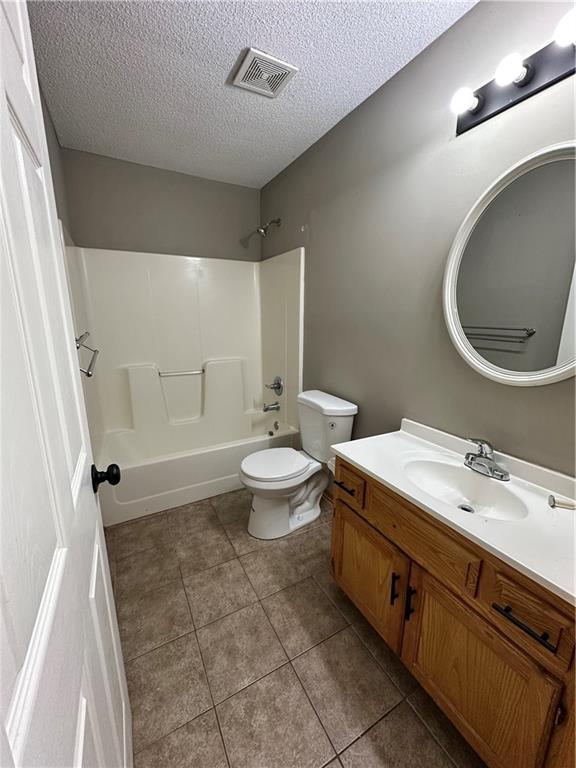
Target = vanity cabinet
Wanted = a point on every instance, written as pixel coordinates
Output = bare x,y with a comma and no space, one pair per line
498,697
493,649
372,571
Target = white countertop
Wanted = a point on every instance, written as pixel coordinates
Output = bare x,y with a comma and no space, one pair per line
540,545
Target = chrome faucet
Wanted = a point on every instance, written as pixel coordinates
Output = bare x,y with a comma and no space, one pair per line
483,461
277,385
271,407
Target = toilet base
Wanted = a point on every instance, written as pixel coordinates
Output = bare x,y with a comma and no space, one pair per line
273,516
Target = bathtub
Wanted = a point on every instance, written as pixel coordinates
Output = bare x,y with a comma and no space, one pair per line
153,483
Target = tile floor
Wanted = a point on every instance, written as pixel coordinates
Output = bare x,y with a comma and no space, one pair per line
246,654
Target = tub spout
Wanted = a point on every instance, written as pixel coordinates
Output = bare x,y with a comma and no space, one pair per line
271,407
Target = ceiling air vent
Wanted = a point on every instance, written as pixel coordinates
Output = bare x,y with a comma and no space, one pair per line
263,73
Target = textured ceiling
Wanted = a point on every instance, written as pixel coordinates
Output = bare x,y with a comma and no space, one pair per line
148,81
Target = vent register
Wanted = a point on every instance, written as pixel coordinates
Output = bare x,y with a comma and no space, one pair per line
264,74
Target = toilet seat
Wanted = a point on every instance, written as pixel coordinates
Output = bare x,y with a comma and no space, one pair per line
276,464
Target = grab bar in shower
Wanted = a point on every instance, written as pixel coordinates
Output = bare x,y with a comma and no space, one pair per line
81,342
89,371
166,374
81,339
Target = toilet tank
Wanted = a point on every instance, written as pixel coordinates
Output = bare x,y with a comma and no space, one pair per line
324,420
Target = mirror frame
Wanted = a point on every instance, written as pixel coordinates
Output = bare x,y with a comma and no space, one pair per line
564,151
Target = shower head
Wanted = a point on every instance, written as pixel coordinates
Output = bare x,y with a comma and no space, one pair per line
263,229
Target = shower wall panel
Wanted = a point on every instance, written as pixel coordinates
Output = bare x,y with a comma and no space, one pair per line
282,301
152,313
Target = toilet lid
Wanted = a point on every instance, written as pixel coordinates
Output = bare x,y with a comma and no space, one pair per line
275,464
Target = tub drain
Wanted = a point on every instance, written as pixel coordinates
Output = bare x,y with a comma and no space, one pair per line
466,508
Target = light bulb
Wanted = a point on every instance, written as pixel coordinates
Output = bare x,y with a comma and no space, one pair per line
565,33
464,100
511,70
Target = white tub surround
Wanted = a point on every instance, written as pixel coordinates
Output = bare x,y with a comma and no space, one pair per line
513,519
282,310
187,345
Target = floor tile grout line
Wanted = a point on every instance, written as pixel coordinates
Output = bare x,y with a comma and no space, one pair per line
260,678
226,615
138,595
136,552
314,709
212,696
221,732
318,715
261,600
187,600
370,727
290,661
379,663
157,647
210,568
210,692
206,675
264,597
165,642
288,537
346,619
134,593
431,732
195,573
315,645
169,733
324,639
253,682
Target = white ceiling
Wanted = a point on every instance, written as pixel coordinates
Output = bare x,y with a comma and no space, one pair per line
147,81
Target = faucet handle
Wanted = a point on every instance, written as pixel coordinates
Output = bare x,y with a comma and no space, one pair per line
484,447
277,385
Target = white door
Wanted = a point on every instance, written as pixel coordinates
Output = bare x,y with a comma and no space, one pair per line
63,690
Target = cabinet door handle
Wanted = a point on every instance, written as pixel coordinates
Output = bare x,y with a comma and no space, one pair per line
409,608
394,595
542,638
350,491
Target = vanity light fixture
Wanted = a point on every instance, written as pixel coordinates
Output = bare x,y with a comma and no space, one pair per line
565,33
465,100
518,78
512,70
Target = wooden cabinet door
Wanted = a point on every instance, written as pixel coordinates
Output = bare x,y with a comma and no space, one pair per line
498,698
372,572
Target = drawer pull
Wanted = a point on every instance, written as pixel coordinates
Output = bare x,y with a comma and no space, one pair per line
350,491
394,595
543,638
409,609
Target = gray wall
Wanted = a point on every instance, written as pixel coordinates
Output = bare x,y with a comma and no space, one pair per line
125,206
377,202
56,166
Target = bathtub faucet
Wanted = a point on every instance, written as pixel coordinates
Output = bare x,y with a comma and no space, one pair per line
271,407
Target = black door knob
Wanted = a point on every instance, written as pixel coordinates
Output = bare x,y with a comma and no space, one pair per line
111,474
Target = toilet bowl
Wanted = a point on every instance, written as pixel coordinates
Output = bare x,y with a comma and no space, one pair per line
286,484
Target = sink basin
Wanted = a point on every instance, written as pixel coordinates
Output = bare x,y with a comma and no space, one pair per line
464,489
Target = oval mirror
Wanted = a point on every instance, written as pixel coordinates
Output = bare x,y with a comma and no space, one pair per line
509,287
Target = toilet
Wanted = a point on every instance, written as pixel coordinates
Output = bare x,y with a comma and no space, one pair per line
286,484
